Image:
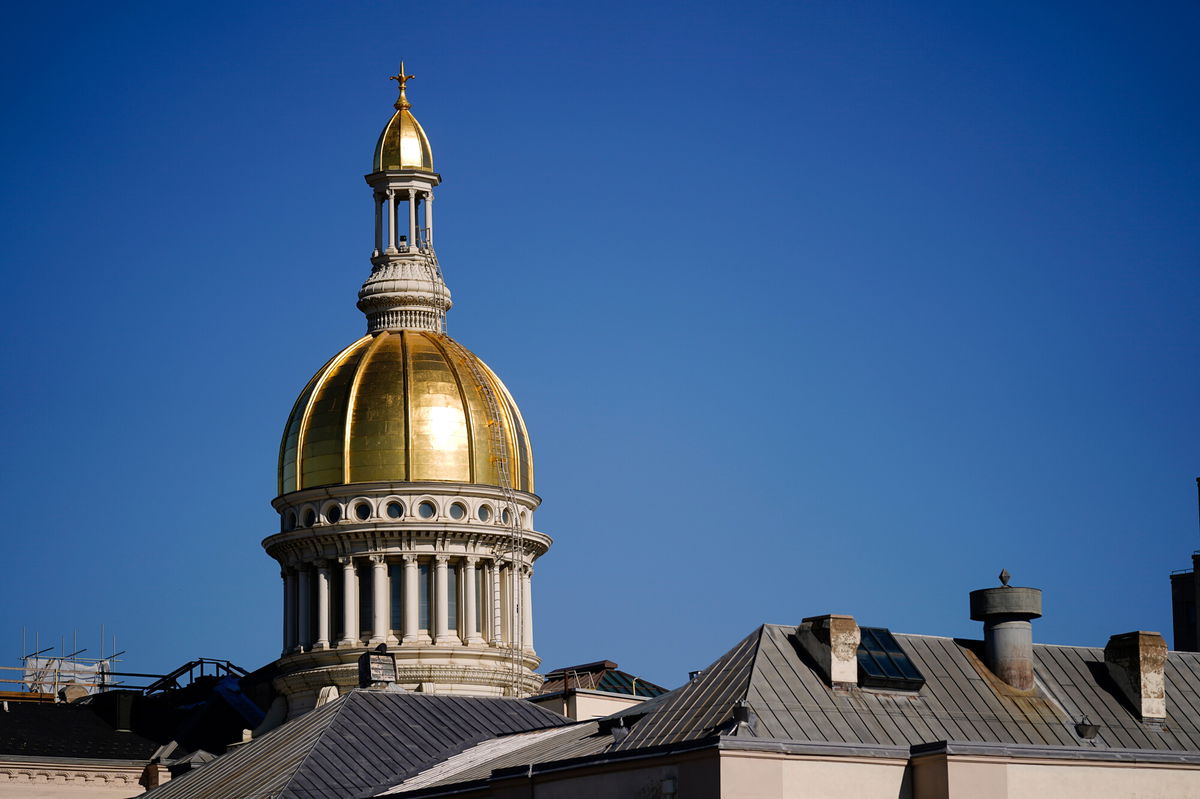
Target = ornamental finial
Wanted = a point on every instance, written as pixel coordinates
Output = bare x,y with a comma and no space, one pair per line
402,102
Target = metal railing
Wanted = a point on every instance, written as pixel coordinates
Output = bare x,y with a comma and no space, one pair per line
44,681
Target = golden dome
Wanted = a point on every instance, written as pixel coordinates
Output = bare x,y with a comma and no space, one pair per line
402,405
403,143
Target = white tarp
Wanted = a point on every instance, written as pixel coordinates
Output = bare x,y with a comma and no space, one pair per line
47,675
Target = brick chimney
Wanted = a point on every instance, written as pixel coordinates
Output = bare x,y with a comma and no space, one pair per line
1137,663
832,641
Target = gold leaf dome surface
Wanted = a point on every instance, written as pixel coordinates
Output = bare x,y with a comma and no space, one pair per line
402,405
403,144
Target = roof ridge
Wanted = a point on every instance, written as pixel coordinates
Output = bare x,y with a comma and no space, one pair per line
484,732
198,781
338,704
762,630
693,703
442,772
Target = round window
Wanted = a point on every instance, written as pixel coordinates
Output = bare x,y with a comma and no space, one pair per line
395,510
426,510
363,511
289,523
457,511
310,517
333,515
506,517
485,513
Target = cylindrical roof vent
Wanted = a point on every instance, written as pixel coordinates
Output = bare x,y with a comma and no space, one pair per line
1006,613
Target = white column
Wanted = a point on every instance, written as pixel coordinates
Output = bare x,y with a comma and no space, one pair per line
470,617
349,603
304,623
527,607
412,218
412,576
390,204
379,586
378,223
289,610
441,585
511,617
429,217
497,603
322,641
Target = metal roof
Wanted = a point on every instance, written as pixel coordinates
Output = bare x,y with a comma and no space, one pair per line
478,762
359,741
602,675
960,706
960,701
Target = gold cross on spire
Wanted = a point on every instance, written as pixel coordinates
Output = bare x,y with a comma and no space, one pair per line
402,79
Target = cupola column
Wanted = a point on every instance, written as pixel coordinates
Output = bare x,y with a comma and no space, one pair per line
304,592
470,616
527,608
378,224
322,641
379,587
429,219
412,219
390,204
289,610
441,587
497,633
349,603
412,575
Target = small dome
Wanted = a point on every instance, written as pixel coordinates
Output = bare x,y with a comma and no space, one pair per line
402,406
403,145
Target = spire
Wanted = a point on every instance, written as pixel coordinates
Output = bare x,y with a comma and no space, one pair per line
402,103
405,290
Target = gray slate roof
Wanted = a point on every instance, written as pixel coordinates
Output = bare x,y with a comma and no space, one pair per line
360,740
961,702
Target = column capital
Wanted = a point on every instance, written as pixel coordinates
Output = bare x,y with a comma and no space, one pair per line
471,561
441,560
321,563
390,193
409,558
347,561
377,559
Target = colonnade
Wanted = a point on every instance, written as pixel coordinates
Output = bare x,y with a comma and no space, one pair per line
387,207
437,600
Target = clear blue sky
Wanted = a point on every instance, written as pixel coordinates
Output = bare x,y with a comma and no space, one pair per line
810,307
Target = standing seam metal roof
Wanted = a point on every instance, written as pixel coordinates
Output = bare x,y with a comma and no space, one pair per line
359,741
961,702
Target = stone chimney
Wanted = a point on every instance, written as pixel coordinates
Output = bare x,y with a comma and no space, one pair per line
1137,664
832,641
1006,613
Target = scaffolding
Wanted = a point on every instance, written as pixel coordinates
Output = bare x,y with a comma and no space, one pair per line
44,676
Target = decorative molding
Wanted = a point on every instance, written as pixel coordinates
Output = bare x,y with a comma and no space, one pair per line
71,774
